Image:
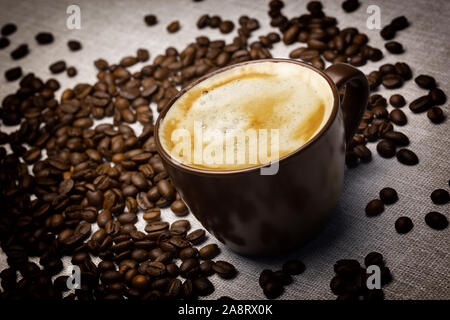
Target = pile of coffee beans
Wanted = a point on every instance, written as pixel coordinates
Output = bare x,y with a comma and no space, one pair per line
273,282
350,280
431,101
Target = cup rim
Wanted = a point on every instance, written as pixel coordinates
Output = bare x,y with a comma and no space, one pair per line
210,172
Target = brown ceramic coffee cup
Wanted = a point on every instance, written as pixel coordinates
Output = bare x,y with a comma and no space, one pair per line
256,214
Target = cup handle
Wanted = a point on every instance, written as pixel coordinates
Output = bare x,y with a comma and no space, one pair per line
355,97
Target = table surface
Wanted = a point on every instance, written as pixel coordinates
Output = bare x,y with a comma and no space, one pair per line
419,260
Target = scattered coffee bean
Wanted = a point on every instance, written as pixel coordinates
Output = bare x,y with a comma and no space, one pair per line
374,208
440,196
179,208
44,38
208,252
394,47
150,20
224,269
74,45
173,26
13,74
403,225
398,117
398,138
20,52
388,32
388,195
437,96
8,29
273,289
397,101
435,114
71,72
57,67
226,26
386,148
400,23
392,81
436,220
4,42
407,157
350,5
421,104
425,81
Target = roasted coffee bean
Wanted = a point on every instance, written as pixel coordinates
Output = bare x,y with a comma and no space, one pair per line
196,236
4,42
173,27
397,101
57,67
226,26
128,61
74,45
13,74
435,114
374,208
202,286
140,282
392,81
425,81
374,258
403,225
273,289
188,253
291,34
8,29
421,104
436,220
44,38
224,269
403,70
398,138
214,22
20,52
440,196
208,252
189,267
150,20
394,47
386,148
152,215
293,267
157,226
166,189
407,157
265,276
437,96
203,21
71,72
179,208
388,195
350,5
400,23
398,117
388,32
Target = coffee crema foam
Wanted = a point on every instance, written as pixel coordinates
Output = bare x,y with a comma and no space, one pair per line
285,97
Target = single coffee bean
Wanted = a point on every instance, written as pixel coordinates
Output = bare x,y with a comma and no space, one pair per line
203,21
403,225
13,74
224,269
4,42
374,207
72,72
273,289
9,29
392,81
403,70
388,195
350,5
440,196
208,252
57,67
374,258
179,208
74,45
291,34
265,276
386,148
425,81
226,26
363,153
436,220
153,214
293,267
173,27
407,157
388,32
400,23
421,104
398,138
44,38
196,236
394,47
202,286
437,96
142,55
398,117
435,114
397,101
20,52
150,20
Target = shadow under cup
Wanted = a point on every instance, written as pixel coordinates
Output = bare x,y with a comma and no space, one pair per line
256,214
